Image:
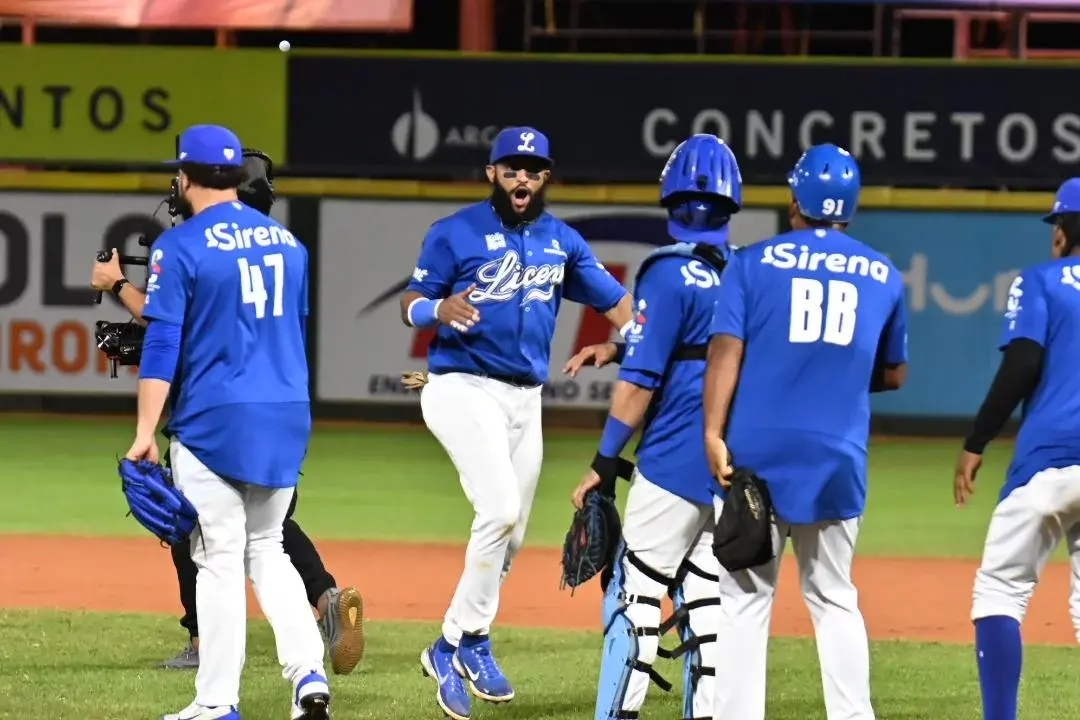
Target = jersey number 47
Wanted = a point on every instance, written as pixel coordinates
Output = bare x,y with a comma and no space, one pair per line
253,287
823,313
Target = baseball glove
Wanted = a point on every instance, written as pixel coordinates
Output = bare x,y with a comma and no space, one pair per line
743,537
591,542
414,380
156,502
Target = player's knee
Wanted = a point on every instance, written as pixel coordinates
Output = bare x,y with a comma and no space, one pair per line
499,517
996,595
842,595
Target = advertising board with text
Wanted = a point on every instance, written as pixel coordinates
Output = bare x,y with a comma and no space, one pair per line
961,125
126,104
369,249
47,311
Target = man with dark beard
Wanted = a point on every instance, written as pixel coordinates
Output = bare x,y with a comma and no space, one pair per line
340,609
492,276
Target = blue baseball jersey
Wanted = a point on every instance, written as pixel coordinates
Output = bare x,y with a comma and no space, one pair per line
1044,306
521,276
235,281
674,300
813,307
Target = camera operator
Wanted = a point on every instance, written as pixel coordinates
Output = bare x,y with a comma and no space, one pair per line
341,610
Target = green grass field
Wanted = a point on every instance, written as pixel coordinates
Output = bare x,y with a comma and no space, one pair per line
396,484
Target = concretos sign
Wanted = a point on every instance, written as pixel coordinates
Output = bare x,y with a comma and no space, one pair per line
369,248
47,311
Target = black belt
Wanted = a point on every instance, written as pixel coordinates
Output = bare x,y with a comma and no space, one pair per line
520,381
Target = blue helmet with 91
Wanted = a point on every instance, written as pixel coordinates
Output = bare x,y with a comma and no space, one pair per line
825,184
701,187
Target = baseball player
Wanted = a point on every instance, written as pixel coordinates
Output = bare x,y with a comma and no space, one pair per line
807,323
340,609
668,523
226,307
1040,500
492,276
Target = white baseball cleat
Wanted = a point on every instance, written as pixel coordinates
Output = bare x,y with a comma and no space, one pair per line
194,711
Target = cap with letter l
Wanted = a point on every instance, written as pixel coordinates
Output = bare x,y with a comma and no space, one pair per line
208,145
1067,200
520,142
825,183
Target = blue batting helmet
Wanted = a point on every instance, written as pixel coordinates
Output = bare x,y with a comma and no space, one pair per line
825,183
702,164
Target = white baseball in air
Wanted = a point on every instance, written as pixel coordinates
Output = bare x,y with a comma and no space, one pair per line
284,46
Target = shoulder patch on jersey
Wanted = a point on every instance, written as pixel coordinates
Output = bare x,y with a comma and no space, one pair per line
1070,275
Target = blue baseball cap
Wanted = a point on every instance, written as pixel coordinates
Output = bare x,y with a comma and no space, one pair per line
208,145
520,142
1067,200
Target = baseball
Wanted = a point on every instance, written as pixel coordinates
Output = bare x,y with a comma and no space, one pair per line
284,46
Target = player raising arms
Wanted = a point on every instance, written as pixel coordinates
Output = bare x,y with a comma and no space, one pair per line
225,349
492,276
1040,500
807,324
668,524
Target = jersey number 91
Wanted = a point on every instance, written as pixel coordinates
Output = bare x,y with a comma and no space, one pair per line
823,312
253,287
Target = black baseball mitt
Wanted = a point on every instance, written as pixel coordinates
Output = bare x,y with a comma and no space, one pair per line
591,541
743,537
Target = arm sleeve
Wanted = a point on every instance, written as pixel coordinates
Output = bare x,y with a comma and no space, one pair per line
587,281
160,351
168,286
1016,378
729,314
436,268
656,330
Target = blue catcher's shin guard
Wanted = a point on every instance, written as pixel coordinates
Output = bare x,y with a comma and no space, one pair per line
631,638
695,596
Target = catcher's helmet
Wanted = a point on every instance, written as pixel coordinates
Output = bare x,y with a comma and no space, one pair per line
701,185
257,190
825,184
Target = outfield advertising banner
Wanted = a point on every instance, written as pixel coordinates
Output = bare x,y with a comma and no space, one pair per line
47,311
126,104
966,126
957,270
369,249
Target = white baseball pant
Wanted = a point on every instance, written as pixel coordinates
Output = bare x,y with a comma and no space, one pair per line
824,552
492,432
1025,529
664,531
1072,537
238,533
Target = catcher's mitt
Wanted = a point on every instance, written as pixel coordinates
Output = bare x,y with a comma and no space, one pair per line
156,502
591,542
743,536
414,380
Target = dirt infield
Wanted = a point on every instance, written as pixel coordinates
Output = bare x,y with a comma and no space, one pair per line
901,598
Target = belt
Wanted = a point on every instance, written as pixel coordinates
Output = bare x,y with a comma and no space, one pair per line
520,381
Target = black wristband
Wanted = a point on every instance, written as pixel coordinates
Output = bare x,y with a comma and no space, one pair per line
118,286
620,353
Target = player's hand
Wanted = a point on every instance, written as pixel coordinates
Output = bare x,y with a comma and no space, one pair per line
591,481
719,460
106,274
144,448
456,311
967,467
598,355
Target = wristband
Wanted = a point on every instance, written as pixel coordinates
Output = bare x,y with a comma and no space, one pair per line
626,328
118,286
422,312
614,438
620,353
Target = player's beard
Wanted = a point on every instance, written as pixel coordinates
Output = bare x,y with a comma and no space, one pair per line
504,205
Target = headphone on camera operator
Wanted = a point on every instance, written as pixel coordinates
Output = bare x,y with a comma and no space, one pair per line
122,342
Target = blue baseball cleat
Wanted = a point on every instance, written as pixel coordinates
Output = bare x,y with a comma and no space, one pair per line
474,662
437,662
